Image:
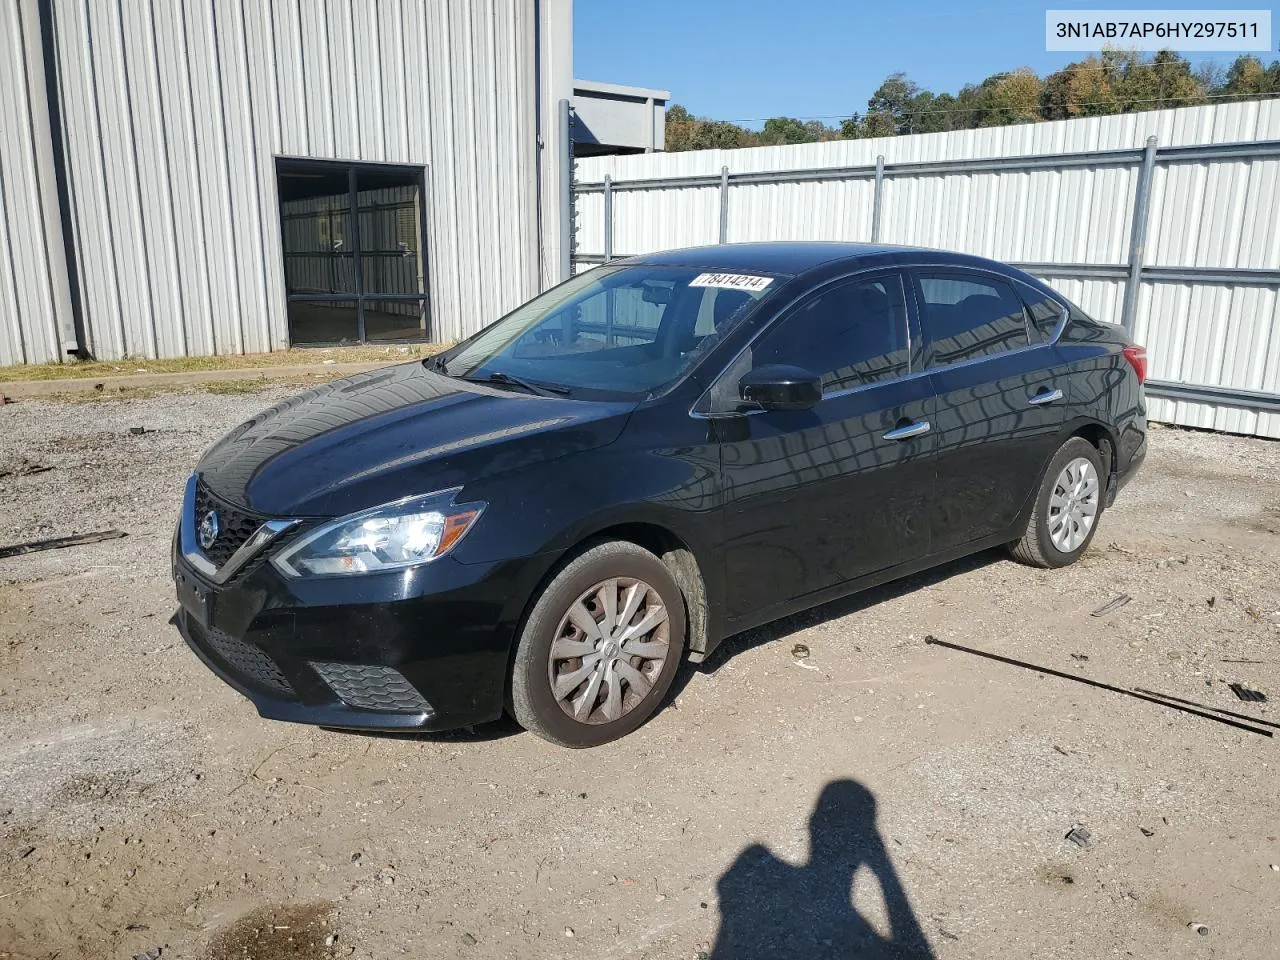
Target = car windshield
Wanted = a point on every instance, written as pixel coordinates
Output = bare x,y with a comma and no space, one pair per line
618,330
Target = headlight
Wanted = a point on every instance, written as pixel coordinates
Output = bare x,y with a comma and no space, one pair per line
396,535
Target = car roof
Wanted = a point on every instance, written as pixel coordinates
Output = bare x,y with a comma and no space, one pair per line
799,257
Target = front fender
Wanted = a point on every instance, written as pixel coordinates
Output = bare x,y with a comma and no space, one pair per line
547,510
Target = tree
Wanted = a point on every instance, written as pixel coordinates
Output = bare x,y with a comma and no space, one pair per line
721,135
679,128
1211,76
819,131
889,109
931,112
780,130
1248,77
1091,88
686,132
1055,99
1012,98
1163,81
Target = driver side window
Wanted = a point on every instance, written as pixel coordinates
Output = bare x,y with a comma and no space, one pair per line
852,334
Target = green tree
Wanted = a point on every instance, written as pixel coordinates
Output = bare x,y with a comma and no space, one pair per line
889,109
721,135
780,130
1055,98
1163,81
819,131
1248,77
931,112
1091,88
970,107
1012,98
686,132
680,127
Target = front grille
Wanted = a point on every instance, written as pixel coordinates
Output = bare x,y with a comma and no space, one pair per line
235,526
249,663
371,687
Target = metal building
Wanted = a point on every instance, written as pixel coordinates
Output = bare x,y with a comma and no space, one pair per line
613,119
228,176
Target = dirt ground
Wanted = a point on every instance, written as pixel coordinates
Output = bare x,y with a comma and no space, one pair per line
145,807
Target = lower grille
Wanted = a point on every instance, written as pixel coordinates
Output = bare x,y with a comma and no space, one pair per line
371,687
248,662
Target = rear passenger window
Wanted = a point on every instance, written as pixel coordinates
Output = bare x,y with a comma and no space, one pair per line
853,334
1044,311
970,317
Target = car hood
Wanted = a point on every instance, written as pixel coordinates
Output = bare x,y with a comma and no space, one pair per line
390,433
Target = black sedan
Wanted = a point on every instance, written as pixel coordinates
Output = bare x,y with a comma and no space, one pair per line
656,454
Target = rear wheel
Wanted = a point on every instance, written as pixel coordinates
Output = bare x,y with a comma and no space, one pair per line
1067,510
600,648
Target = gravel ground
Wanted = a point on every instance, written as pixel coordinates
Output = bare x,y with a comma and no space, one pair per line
144,806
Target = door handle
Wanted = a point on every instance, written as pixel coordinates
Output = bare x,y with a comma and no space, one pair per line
907,431
1045,396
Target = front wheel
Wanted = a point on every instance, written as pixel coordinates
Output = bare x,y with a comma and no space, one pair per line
600,648
1067,510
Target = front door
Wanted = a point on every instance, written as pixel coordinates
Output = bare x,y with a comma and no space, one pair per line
1001,392
818,497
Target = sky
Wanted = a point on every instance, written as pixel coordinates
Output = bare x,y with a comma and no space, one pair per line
747,60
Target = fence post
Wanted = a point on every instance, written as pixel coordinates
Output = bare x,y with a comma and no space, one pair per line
724,204
1138,238
565,159
875,205
608,218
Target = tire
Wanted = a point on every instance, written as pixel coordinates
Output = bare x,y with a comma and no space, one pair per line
598,697
1061,527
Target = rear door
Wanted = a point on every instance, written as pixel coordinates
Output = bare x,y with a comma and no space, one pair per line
817,497
1001,391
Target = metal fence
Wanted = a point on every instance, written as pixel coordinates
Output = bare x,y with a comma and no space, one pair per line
1177,243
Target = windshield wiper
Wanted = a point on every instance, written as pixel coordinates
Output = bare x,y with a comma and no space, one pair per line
540,389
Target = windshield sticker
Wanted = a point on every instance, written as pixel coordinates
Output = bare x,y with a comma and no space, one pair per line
731,281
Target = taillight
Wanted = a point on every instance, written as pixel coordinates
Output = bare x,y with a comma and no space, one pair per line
1137,357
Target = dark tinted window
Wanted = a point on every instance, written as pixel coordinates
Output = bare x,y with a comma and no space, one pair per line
969,316
1044,311
852,334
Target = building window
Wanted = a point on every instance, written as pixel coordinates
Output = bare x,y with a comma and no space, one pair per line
354,263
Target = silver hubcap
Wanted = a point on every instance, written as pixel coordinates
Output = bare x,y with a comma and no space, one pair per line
1073,506
609,649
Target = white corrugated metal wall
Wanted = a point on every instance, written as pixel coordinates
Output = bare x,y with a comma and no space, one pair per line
173,114
1219,213
34,298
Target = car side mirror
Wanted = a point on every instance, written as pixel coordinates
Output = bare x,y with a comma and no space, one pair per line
778,386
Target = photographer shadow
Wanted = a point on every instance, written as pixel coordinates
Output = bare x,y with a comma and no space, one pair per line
769,908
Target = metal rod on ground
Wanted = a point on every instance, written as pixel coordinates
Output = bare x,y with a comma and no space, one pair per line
724,205
1138,237
57,543
608,218
1096,683
1205,706
875,203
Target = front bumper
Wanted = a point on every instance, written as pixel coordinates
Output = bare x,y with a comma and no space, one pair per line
425,649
